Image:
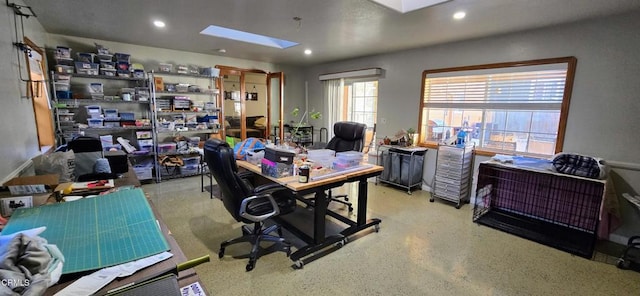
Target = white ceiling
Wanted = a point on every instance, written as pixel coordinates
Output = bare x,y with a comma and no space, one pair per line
333,29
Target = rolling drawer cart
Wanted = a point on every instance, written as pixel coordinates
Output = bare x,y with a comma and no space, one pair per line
452,180
402,166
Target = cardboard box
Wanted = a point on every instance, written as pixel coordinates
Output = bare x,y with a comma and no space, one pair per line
10,204
32,184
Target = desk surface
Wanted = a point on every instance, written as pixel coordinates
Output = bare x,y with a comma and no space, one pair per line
292,183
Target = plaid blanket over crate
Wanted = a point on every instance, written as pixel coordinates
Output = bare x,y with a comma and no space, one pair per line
579,165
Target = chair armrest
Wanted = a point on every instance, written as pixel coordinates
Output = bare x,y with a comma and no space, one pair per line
268,188
246,201
245,174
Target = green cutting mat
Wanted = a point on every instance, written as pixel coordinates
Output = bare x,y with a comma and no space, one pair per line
96,232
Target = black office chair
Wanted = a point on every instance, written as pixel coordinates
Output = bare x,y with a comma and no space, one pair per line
348,136
246,203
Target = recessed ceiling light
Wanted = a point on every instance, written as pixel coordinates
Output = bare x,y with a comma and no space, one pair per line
307,51
237,35
459,15
221,50
159,24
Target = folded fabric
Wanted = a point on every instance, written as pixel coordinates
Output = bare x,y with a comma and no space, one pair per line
28,264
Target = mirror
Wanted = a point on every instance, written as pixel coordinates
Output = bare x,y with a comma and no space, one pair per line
275,86
232,106
256,105
248,104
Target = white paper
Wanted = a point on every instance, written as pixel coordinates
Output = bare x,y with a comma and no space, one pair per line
192,290
88,285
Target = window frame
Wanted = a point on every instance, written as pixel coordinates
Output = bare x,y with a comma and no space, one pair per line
350,98
564,108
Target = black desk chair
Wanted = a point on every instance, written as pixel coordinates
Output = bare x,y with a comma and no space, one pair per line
348,136
248,204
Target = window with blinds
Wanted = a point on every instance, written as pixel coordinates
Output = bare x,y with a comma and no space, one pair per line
512,108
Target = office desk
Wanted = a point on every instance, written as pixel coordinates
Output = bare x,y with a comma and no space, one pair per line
319,239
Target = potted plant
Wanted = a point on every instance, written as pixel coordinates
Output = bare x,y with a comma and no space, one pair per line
295,112
411,136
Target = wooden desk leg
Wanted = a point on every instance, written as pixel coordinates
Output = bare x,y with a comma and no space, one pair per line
319,213
362,202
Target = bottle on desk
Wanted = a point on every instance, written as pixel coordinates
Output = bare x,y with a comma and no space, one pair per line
303,176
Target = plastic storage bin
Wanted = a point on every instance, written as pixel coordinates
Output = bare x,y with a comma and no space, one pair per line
111,114
87,68
193,160
127,116
142,134
122,57
94,111
190,169
96,88
143,170
62,52
181,103
166,147
95,122
64,69
209,71
165,68
62,85
85,57
108,72
182,87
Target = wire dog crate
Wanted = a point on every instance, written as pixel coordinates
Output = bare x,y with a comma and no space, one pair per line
556,210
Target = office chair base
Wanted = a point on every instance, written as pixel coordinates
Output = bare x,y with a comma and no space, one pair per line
344,202
255,236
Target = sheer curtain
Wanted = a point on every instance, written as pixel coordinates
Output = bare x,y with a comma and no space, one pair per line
334,105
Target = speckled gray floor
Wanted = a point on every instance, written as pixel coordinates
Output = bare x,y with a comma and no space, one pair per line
422,248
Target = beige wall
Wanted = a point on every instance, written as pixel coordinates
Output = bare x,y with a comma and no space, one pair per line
605,105
17,122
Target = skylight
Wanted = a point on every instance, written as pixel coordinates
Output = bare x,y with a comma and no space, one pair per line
405,6
227,33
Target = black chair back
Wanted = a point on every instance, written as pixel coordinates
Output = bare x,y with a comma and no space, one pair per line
348,136
85,144
222,165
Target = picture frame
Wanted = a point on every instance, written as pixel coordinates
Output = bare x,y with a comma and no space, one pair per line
251,96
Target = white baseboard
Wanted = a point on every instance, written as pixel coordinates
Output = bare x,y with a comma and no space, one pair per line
17,171
619,239
426,187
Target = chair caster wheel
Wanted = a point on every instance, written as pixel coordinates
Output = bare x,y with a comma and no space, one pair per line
350,209
623,264
458,206
221,253
431,200
376,228
299,264
250,265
